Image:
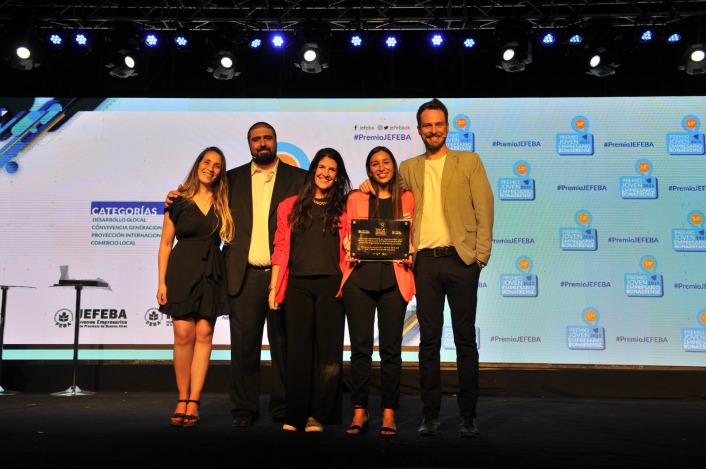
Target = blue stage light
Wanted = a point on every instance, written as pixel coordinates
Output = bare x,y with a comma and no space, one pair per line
548,39
437,40
151,40
469,43
356,40
255,43
391,41
278,40
56,39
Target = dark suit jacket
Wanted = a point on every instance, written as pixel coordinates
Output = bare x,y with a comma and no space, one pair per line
287,183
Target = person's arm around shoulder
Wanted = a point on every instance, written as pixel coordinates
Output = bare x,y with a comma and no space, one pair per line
172,196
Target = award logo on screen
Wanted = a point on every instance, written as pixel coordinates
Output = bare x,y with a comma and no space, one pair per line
523,283
583,238
578,142
292,154
646,283
520,187
693,339
447,339
689,142
691,239
63,318
588,337
462,139
154,317
642,186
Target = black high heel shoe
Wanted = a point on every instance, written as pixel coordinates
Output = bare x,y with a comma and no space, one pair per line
178,418
191,420
355,430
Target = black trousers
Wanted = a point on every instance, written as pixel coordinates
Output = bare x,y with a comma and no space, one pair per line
360,306
438,279
315,324
249,312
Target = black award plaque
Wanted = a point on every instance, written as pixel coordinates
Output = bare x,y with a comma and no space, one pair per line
376,239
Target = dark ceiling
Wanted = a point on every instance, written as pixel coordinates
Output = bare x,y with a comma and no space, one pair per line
413,70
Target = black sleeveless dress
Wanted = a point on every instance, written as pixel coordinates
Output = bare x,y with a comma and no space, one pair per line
195,277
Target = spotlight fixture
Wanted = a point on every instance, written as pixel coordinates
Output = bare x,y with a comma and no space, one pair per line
436,40
469,42
693,61
514,56
181,38
600,64
21,56
391,42
224,66
311,59
123,64
278,41
515,51
548,38
56,39
151,39
356,40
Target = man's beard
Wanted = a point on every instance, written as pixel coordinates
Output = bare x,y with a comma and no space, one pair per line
265,158
434,148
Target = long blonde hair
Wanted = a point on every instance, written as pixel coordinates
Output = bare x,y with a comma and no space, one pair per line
220,193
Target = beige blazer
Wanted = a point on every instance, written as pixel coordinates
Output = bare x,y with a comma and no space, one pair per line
468,202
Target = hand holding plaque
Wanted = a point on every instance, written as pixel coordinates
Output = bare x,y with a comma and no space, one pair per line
377,239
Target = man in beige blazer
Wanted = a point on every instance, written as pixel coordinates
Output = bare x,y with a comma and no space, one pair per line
453,230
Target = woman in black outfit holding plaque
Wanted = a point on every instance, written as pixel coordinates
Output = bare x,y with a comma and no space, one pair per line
383,286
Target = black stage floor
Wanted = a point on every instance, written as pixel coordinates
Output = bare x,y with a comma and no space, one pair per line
131,429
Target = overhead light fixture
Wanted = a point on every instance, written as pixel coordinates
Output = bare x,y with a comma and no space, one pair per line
277,40
515,48
600,63
356,40
514,56
391,41
693,60
22,56
436,40
548,38
311,59
123,64
224,66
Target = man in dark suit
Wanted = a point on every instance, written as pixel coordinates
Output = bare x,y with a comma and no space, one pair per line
256,189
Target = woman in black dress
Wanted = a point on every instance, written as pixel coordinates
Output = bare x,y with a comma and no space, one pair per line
192,287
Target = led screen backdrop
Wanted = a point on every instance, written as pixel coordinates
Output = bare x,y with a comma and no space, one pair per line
599,243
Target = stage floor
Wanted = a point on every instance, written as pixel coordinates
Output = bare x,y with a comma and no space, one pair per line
131,429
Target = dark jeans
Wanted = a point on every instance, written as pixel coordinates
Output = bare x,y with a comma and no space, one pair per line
315,324
437,279
360,306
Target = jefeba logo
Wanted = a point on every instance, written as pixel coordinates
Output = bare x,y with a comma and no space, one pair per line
642,186
647,283
588,337
292,154
525,283
689,142
580,142
462,139
154,317
693,339
691,239
583,238
520,187
63,318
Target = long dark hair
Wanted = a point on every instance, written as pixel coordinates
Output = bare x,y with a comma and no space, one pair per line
393,186
301,216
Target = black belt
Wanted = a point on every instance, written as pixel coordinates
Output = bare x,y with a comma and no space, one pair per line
445,251
260,267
